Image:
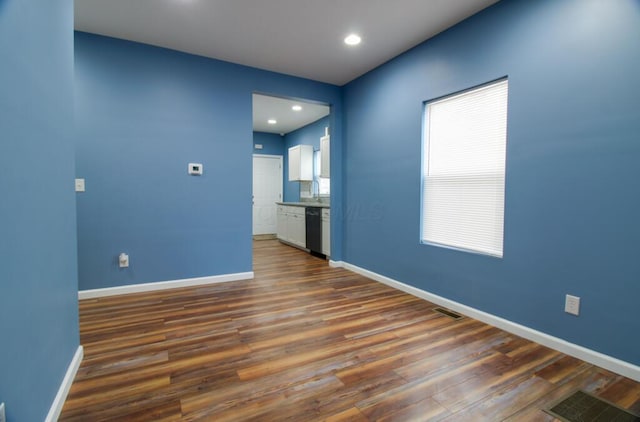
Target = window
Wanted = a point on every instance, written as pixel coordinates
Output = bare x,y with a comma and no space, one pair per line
324,184
464,144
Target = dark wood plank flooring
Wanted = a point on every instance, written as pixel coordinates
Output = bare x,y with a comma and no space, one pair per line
306,342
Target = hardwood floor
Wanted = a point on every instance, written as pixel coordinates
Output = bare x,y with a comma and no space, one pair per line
305,342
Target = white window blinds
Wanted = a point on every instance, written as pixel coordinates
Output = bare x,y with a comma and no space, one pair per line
465,139
324,184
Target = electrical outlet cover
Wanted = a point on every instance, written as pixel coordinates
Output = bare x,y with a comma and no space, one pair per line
79,187
572,305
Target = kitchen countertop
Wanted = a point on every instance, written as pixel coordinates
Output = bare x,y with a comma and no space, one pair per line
305,204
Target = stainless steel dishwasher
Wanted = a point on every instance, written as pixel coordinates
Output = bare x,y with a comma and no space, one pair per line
313,226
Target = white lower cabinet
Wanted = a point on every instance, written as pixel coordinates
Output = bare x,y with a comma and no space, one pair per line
297,229
291,225
282,223
326,232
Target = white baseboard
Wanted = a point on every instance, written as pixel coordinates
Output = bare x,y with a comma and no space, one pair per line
162,285
63,391
336,264
596,358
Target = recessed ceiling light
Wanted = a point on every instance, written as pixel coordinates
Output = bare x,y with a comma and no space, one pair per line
272,121
296,107
352,39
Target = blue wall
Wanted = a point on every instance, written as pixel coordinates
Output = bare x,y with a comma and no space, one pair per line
38,279
142,114
307,135
572,196
272,143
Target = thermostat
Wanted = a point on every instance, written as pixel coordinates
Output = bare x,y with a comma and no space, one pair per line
195,169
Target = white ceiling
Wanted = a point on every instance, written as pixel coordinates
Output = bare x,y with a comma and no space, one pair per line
296,37
279,109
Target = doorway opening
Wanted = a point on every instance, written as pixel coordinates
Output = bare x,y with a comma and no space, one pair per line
278,125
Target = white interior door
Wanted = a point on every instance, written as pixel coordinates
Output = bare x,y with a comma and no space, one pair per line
267,190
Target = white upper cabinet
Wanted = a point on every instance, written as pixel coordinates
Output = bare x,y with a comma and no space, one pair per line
325,156
301,163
